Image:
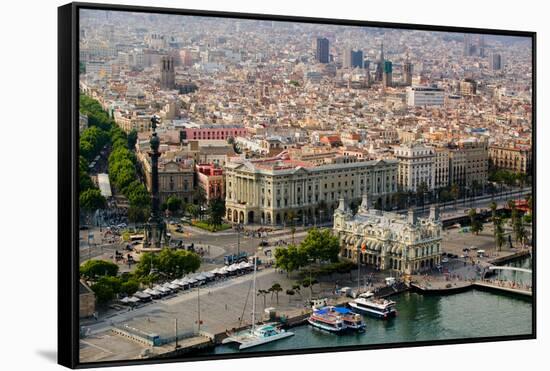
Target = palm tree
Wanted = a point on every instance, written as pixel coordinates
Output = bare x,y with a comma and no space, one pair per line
263,293
290,293
276,288
499,233
493,206
520,232
296,288
476,225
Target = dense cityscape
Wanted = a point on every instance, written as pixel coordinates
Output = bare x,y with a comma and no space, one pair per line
251,182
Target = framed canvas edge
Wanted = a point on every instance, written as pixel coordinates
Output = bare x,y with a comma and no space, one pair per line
68,262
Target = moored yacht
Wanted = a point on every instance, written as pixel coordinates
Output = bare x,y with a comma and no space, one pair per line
256,335
379,308
260,335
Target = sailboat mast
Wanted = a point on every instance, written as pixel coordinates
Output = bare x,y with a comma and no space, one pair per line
254,296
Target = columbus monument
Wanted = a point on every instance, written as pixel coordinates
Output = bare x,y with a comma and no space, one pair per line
156,228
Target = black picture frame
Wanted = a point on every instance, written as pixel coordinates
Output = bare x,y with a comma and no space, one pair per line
68,209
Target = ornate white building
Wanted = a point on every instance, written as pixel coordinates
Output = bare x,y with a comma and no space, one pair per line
389,240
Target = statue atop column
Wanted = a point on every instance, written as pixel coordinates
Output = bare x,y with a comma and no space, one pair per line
156,228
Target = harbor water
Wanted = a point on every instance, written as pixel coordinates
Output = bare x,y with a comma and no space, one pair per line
465,315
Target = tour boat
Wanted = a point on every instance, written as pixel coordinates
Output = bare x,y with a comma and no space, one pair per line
379,308
352,320
257,336
328,320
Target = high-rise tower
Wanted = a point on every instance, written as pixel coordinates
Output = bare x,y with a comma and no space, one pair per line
407,72
322,50
467,45
379,73
167,73
495,62
388,74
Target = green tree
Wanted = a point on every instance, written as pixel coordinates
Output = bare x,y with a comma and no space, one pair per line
106,288
173,204
176,263
199,197
95,268
499,233
147,265
138,214
216,212
263,293
132,138
193,210
91,199
85,182
137,195
129,287
321,245
518,227
290,259
475,223
297,288
276,289
290,294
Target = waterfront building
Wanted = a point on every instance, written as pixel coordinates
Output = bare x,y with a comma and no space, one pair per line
322,50
419,96
388,240
416,166
271,190
468,162
441,167
512,158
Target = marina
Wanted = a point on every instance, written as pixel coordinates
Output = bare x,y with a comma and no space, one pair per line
468,314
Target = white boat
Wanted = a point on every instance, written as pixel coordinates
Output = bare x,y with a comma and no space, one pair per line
379,308
336,319
325,320
260,335
257,335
